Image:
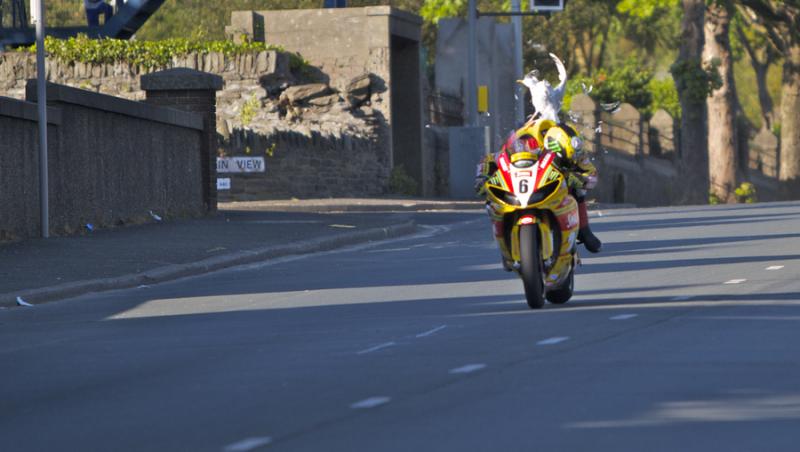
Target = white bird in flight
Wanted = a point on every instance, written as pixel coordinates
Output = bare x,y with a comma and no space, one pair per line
546,99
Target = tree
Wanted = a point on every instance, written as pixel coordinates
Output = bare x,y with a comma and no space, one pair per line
762,54
691,81
782,24
722,129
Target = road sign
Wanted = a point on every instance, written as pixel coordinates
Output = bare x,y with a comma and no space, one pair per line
547,5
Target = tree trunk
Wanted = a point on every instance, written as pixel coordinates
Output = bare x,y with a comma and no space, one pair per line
694,116
790,116
722,135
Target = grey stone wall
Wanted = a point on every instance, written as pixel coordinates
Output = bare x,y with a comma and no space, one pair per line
111,162
639,161
252,116
19,168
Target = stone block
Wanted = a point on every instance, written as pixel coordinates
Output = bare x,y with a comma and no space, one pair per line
303,93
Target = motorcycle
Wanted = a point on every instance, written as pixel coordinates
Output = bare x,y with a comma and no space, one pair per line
535,224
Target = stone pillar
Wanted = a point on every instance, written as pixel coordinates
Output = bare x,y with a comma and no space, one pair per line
195,91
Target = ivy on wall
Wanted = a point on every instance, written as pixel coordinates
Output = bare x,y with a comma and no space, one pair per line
148,54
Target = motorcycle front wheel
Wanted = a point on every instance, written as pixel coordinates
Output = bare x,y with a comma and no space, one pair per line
530,265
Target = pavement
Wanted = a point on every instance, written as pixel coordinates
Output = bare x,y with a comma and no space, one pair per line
41,270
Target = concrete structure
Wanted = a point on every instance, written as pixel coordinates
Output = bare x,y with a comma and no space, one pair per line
495,70
344,44
112,162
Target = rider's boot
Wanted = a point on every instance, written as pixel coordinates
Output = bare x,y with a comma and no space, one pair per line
585,235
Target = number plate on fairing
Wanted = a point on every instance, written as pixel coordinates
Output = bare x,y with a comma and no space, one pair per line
523,180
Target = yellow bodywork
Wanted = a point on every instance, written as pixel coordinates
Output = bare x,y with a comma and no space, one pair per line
560,203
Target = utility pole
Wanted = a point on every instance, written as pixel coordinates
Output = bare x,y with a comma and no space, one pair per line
38,17
472,65
516,21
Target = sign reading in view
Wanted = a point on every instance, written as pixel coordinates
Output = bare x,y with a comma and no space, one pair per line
240,164
224,183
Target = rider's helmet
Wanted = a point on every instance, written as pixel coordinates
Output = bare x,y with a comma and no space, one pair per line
540,127
564,141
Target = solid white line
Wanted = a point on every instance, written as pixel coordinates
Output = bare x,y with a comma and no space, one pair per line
371,402
553,340
735,281
435,330
469,368
376,348
248,444
774,267
682,298
623,317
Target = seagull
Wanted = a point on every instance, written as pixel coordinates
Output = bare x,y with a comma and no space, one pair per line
546,99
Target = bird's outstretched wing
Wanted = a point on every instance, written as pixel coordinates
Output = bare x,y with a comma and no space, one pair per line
558,92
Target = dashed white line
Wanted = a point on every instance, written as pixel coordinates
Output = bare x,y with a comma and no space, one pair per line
248,444
371,402
682,298
623,317
433,331
774,267
735,281
469,368
376,348
553,340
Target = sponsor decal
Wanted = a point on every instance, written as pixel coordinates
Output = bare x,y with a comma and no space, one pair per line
572,220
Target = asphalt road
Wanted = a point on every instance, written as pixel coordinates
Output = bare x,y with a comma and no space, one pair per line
684,334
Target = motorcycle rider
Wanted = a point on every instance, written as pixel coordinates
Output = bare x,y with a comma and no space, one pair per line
545,135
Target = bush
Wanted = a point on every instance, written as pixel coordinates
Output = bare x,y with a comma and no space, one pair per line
149,54
628,83
400,183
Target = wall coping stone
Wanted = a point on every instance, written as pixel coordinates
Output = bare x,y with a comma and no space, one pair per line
19,109
68,95
181,79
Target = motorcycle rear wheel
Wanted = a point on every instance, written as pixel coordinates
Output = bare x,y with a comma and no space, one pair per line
564,292
530,266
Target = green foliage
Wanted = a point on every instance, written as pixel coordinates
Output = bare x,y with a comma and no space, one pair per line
149,54
433,10
746,193
665,96
249,110
713,199
697,80
400,183
627,83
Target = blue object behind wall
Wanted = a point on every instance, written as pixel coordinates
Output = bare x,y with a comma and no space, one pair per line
336,3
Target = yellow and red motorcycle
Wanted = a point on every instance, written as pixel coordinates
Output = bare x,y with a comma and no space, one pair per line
535,224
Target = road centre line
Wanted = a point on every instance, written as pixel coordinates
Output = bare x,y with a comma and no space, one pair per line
553,340
428,333
735,281
623,316
469,368
371,402
376,348
774,267
248,444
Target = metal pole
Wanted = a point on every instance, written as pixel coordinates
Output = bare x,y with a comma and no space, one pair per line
518,68
472,65
41,88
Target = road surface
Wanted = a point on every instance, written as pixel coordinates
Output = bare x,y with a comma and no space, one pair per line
684,334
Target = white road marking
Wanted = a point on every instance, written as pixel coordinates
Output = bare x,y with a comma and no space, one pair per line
735,281
435,330
342,226
553,340
371,402
469,368
774,267
682,298
376,348
623,317
248,444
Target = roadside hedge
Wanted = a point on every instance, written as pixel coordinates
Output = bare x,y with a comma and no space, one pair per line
149,54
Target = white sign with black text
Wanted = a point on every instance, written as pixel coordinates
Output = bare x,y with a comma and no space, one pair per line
240,164
223,183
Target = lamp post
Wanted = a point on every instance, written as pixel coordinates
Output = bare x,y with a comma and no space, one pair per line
38,17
